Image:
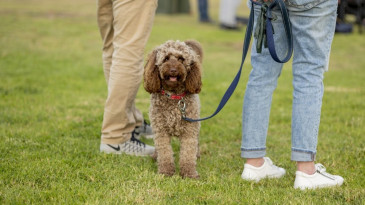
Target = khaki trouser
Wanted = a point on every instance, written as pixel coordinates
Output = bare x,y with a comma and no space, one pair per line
125,26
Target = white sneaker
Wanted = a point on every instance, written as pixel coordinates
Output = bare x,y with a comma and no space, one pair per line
268,169
131,147
319,179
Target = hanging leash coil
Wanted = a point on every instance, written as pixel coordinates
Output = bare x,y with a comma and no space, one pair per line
265,36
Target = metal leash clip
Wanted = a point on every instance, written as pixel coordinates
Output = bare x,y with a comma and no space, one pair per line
181,104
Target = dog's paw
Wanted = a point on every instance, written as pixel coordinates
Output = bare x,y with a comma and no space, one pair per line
166,169
188,171
167,174
193,175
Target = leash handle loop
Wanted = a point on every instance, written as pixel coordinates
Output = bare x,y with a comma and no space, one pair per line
270,32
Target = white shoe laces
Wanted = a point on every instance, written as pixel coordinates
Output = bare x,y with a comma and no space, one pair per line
322,170
268,160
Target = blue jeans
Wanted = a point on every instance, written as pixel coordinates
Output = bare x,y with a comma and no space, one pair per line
313,26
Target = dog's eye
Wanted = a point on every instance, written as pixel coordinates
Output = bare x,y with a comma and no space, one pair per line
181,59
166,58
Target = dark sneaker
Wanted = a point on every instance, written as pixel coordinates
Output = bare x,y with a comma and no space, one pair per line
144,130
131,147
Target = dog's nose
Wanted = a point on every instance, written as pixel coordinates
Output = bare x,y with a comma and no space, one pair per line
173,70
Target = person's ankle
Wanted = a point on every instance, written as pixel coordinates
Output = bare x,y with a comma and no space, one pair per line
256,162
306,167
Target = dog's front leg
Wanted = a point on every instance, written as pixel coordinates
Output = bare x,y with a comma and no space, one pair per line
188,156
165,158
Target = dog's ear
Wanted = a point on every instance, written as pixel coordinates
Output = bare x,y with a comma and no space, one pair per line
193,82
196,47
151,77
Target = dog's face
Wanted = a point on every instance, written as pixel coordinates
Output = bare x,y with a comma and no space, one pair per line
174,66
173,72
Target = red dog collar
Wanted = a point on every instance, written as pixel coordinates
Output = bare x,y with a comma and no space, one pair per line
173,96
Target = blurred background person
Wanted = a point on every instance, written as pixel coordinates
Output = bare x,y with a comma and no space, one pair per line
227,14
203,8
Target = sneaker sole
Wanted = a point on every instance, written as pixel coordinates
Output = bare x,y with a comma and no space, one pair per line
266,177
318,187
276,175
130,153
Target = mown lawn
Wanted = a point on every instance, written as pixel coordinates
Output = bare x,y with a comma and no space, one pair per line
52,92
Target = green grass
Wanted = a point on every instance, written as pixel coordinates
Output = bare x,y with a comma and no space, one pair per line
52,92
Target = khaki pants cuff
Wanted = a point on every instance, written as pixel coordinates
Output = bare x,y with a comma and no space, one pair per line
105,139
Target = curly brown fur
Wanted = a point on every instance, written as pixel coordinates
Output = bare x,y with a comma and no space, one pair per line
175,67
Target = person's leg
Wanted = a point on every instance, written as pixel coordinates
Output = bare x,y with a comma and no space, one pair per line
313,29
138,116
105,23
132,23
256,109
258,96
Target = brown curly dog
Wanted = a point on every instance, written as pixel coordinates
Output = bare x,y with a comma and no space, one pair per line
172,74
